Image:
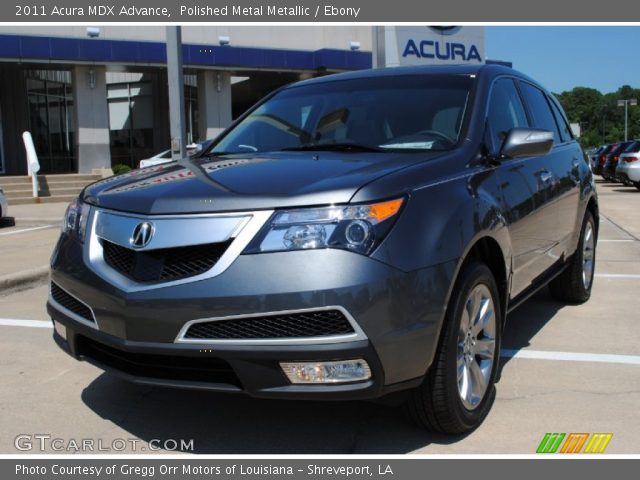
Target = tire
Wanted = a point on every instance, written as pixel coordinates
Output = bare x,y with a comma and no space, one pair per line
574,284
440,404
637,184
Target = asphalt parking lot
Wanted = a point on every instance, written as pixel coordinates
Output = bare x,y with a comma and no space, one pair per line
564,369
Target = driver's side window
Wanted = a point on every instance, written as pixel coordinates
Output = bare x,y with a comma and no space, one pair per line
505,112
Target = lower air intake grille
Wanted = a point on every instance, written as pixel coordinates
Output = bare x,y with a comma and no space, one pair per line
71,303
321,323
165,367
165,264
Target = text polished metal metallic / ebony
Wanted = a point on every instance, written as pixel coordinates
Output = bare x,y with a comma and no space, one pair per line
350,237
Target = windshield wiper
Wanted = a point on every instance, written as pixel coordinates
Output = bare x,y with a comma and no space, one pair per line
335,147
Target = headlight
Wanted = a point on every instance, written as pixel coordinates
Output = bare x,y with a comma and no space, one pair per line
75,219
358,228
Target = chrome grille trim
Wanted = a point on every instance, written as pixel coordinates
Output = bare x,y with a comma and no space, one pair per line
172,231
358,333
241,231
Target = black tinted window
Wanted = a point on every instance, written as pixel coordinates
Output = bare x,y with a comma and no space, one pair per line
565,129
505,112
618,149
402,113
539,110
633,147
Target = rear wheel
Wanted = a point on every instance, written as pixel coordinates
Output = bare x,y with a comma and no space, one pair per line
459,390
574,284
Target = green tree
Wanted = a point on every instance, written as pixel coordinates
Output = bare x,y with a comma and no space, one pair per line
600,118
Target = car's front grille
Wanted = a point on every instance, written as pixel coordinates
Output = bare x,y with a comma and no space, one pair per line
71,303
165,264
319,323
166,367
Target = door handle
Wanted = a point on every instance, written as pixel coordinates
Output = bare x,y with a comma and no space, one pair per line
545,176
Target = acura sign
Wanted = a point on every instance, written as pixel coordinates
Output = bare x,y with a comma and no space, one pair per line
425,45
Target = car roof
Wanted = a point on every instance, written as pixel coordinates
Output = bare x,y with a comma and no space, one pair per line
480,70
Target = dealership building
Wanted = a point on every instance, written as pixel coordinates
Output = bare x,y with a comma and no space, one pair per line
93,97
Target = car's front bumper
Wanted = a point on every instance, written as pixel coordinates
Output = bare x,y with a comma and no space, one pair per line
400,314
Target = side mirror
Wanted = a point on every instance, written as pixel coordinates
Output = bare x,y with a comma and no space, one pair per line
526,142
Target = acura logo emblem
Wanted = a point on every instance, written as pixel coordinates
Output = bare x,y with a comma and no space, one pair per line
142,235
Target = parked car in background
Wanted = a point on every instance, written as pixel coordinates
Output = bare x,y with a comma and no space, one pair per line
193,149
610,165
4,206
593,156
163,157
350,237
628,169
602,158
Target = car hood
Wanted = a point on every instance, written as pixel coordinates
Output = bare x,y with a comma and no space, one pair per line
246,182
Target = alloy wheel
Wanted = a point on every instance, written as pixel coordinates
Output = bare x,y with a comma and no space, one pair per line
588,255
476,346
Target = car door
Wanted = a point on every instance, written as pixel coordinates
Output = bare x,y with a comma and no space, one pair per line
518,182
559,174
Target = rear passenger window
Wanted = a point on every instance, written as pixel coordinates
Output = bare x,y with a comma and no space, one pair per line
541,114
505,112
633,147
561,119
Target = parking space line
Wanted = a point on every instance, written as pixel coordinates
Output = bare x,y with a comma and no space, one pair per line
24,230
626,232
617,275
571,356
628,240
10,322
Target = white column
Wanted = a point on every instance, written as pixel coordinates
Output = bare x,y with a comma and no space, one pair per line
91,116
214,103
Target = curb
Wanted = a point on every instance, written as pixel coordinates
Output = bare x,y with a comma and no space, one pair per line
13,280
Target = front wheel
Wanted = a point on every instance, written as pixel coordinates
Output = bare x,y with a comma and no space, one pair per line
574,284
459,390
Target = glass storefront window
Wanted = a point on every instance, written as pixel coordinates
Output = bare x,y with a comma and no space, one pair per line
131,122
132,118
1,146
50,102
191,109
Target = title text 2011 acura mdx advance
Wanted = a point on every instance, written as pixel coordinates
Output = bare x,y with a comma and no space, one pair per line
348,237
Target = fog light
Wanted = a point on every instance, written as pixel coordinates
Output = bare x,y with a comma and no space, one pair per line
327,372
60,330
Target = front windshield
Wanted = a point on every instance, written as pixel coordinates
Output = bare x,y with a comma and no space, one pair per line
388,113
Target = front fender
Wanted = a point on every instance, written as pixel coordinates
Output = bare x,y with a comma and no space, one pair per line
442,221
439,226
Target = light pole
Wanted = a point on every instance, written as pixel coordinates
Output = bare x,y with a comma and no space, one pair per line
626,103
175,80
